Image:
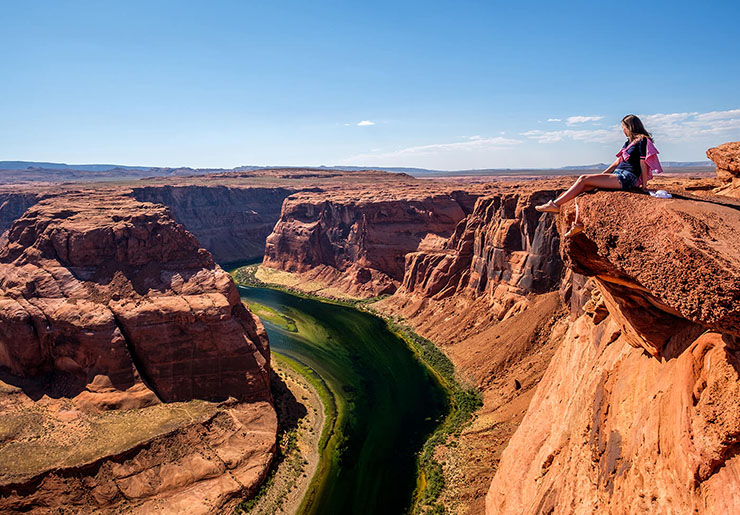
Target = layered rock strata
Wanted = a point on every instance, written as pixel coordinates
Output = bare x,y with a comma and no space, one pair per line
231,222
112,287
727,159
489,298
193,457
501,252
638,409
359,239
107,308
12,206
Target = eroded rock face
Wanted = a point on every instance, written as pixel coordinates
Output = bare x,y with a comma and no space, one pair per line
638,409
12,206
196,458
727,159
664,267
115,296
362,235
504,250
232,223
107,308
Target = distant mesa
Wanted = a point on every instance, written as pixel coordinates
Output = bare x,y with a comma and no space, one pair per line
14,172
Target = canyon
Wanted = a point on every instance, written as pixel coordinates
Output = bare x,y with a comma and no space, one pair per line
607,363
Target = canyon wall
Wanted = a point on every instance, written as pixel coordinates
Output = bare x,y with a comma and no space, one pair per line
113,317
358,239
489,299
500,253
231,222
727,159
12,206
638,409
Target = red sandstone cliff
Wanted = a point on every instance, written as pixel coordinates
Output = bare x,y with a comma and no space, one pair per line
638,409
107,308
231,222
358,239
727,159
12,206
501,252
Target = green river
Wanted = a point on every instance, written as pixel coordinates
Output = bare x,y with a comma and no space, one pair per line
382,402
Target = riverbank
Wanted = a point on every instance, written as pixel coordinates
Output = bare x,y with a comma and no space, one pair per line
464,400
302,423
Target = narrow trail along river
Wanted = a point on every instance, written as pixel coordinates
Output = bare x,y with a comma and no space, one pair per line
385,402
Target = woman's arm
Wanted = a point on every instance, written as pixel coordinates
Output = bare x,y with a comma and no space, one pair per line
612,166
644,174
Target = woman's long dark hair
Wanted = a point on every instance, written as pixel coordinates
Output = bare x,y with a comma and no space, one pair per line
635,127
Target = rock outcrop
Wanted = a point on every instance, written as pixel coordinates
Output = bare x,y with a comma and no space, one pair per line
502,252
111,287
107,308
231,222
12,206
638,409
727,159
358,239
195,457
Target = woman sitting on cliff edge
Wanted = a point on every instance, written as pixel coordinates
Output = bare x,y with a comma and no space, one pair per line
633,167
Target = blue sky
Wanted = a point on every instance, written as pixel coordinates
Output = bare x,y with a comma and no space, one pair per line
447,85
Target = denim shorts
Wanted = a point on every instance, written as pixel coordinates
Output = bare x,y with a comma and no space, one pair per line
626,179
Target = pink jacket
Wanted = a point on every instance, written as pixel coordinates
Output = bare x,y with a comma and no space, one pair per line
651,159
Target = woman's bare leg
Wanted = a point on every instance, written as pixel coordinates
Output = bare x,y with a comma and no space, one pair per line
587,183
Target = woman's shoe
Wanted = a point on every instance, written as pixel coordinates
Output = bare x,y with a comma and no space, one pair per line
574,229
548,207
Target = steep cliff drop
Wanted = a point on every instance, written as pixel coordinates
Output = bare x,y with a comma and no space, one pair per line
727,159
12,205
489,299
134,376
356,240
638,410
231,222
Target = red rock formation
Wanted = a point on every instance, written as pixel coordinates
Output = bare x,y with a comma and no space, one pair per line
727,159
12,206
202,461
638,410
107,286
231,222
502,251
362,235
107,307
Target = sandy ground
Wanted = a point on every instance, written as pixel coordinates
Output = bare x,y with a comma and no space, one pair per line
300,413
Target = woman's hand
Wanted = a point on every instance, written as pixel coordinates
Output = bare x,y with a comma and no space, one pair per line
612,166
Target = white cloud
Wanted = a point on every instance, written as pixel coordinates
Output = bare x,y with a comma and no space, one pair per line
572,120
681,136
675,127
554,119
595,135
665,127
365,123
719,115
474,144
